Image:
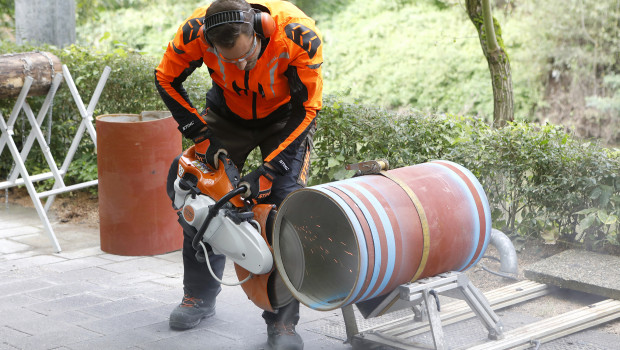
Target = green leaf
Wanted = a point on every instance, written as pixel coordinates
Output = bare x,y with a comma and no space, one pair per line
587,221
596,193
611,219
587,211
332,162
602,215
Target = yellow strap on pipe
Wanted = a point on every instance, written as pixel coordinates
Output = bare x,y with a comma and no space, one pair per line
425,230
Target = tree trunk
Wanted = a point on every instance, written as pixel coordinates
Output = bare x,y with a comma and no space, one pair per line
14,68
479,12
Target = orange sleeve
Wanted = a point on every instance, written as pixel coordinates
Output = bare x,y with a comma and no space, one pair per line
306,85
183,55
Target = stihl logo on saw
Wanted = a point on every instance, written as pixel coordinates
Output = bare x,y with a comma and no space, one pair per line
188,213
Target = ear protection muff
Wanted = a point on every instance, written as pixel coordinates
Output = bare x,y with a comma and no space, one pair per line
262,22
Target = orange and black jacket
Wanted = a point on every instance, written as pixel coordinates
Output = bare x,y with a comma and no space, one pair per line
286,81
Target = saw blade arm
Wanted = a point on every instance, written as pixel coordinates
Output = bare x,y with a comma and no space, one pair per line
213,210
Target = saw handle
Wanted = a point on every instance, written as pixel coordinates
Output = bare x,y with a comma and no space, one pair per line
213,210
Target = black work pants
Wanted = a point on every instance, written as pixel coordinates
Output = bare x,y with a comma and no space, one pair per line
197,280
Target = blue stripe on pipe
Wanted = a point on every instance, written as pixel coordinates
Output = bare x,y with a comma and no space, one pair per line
389,234
485,205
359,232
375,239
469,197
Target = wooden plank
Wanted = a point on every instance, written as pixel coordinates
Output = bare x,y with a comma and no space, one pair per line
459,310
556,327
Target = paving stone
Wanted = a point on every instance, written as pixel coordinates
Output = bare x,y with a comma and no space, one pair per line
37,260
159,330
8,334
232,296
579,270
112,342
6,346
193,340
119,323
131,278
17,256
61,291
11,301
74,302
14,230
94,275
14,221
77,264
228,313
120,307
170,281
20,275
164,310
175,256
73,317
118,292
23,286
38,240
81,253
8,246
144,263
168,270
18,314
52,340
41,325
238,329
113,257
325,343
133,338
166,295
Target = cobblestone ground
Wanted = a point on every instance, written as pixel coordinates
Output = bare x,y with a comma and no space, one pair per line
84,298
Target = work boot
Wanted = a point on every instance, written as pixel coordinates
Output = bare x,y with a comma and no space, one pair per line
190,312
282,336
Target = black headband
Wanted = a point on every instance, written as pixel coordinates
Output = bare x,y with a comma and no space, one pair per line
217,19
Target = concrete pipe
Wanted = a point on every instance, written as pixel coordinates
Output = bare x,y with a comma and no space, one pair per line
348,241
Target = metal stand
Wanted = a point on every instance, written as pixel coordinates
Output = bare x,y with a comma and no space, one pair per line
6,138
422,296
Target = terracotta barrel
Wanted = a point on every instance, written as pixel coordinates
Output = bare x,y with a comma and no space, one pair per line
348,241
134,153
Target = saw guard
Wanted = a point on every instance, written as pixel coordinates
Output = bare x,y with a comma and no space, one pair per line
216,183
257,287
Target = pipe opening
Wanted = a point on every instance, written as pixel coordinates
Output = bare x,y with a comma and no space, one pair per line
319,257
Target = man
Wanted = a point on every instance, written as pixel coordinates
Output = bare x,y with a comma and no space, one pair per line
264,58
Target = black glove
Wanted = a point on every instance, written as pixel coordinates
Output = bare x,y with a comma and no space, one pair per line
258,183
208,148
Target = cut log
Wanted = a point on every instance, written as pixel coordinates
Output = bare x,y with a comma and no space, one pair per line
14,68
